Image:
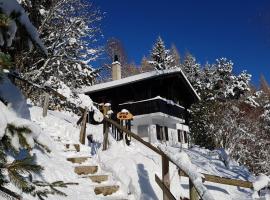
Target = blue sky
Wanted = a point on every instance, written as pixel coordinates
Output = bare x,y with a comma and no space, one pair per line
209,29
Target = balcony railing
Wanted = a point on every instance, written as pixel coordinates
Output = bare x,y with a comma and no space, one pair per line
153,106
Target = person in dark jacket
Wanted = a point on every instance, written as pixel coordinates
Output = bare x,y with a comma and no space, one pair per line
92,144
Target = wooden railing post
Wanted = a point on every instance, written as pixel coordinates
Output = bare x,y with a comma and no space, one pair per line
105,135
165,175
193,194
83,127
46,104
164,188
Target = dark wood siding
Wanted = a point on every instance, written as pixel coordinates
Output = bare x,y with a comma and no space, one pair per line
172,87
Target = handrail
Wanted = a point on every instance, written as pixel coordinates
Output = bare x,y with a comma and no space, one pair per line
45,89
164,188
223,180
136,137
9,194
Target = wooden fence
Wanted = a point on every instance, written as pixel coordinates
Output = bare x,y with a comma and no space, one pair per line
164,181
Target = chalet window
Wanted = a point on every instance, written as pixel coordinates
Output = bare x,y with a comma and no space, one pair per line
166,133
185,137
159,132
179,135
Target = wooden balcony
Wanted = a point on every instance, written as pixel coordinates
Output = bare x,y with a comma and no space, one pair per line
153,106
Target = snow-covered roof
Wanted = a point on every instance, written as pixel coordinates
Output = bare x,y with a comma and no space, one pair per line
136,78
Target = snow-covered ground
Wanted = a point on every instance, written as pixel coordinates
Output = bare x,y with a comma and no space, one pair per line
58,125
132,167
136,166
54,131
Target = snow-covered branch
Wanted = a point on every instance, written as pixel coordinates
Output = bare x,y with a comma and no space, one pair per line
17,16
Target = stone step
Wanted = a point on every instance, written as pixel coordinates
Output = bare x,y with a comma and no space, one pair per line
106,190
78,160
85,170
98,178
70,147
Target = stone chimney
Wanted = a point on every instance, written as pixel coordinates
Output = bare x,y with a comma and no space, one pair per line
116,69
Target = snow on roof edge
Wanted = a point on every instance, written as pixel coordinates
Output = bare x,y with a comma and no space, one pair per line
157,97
135,78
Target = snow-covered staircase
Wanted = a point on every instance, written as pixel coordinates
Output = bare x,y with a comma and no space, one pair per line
99,179
80,164
104,184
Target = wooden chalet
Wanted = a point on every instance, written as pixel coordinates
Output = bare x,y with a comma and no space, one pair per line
159,101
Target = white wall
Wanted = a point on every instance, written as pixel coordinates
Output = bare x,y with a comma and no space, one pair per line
143,131
145,127
153,134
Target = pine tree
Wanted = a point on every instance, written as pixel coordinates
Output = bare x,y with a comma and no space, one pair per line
232,115
15,172
192,70
50,188
217,81
160,56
